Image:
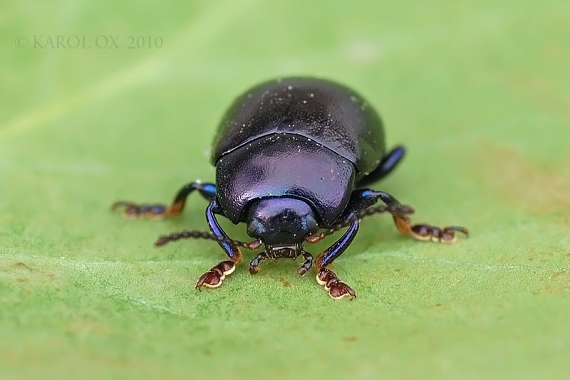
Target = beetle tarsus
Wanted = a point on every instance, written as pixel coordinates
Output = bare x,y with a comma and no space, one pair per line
427,232
159,211
138,211
336,288
215,276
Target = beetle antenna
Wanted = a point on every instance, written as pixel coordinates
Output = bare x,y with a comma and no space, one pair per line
398,210
165,239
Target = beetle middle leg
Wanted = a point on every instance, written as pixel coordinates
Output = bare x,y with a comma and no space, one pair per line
363,199
133,210
424,232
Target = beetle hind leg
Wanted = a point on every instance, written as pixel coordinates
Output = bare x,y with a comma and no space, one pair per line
385,167
159,211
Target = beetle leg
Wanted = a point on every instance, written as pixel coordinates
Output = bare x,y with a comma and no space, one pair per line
254,264
337,248
336,288
385,167
231,250
304,268
362,200
214,277
424,232
160,211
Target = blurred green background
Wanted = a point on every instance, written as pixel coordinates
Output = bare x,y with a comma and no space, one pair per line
479,93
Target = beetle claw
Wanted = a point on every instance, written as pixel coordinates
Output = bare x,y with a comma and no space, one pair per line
215,276
336,288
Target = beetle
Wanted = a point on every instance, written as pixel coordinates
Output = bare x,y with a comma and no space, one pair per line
293,160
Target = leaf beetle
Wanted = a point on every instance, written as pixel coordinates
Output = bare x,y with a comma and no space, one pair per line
293,160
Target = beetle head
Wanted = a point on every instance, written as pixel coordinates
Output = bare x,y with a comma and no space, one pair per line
281,221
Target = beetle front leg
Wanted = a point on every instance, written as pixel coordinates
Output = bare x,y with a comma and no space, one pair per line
326,277
160,211
214,277
336,288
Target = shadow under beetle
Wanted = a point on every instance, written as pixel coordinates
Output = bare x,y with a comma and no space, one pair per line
293,157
